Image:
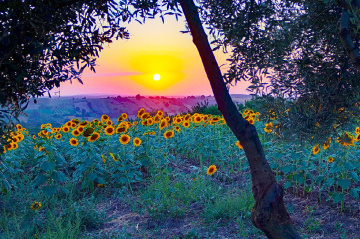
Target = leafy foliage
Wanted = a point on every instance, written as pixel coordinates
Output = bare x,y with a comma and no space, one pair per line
297,46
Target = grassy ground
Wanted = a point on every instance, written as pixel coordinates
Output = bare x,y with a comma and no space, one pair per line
182,203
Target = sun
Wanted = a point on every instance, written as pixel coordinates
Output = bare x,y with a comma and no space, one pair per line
156,77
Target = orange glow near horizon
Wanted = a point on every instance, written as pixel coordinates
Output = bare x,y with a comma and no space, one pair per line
127,67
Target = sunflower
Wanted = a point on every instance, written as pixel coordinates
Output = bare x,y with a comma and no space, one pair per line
135,123
215,119
124,139
124,115
326,144
58,136
109,130
316,149
121,129
19,127
88,131
104,118
113,157
84,123
14,146
239,145
75,133
357,130
177,128
346,139
178,120
145,116
73,125
80,129
144,122
211,170
95,136
103,158
330,159
66,129
137,141
268,127
187,117
150,121
68,124
168,134
251,121
186,124
162,124
357,138
140,112
197,119
35,206
9,146
160,113
73,142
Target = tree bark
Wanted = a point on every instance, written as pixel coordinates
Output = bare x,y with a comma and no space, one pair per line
269,213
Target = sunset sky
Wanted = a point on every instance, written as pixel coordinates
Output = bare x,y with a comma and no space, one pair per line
127,67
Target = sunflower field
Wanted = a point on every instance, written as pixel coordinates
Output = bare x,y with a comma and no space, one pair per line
123,153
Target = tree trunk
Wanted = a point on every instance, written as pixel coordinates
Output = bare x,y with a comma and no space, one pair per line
269,213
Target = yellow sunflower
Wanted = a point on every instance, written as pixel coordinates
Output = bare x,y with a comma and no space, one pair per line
357,130
239,145
19,127
330,159
124,115
73,142
177,128
104,118
35,206
211,170
14,146
326,144
357,138
95,136
109,130
121,129
160,113
124,139
186,124
162,124
168,134
150,121
346,139
316,149
66,129
103,159
140,112
137,141
73,125
145,115
58,136
9,146
75,133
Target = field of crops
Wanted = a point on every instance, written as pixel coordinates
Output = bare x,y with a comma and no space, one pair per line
161,167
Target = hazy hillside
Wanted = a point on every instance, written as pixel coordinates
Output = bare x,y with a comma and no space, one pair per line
59,110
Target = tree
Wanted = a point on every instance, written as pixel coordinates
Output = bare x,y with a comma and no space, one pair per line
269,213
41,43
308,50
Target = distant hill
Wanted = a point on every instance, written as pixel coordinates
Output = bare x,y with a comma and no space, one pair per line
58,110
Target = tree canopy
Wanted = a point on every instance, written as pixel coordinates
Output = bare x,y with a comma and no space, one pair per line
307,50
45,42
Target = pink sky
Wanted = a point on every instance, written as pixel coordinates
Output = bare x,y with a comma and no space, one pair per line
126,67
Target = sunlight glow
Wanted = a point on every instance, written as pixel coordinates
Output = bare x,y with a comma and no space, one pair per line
156,77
